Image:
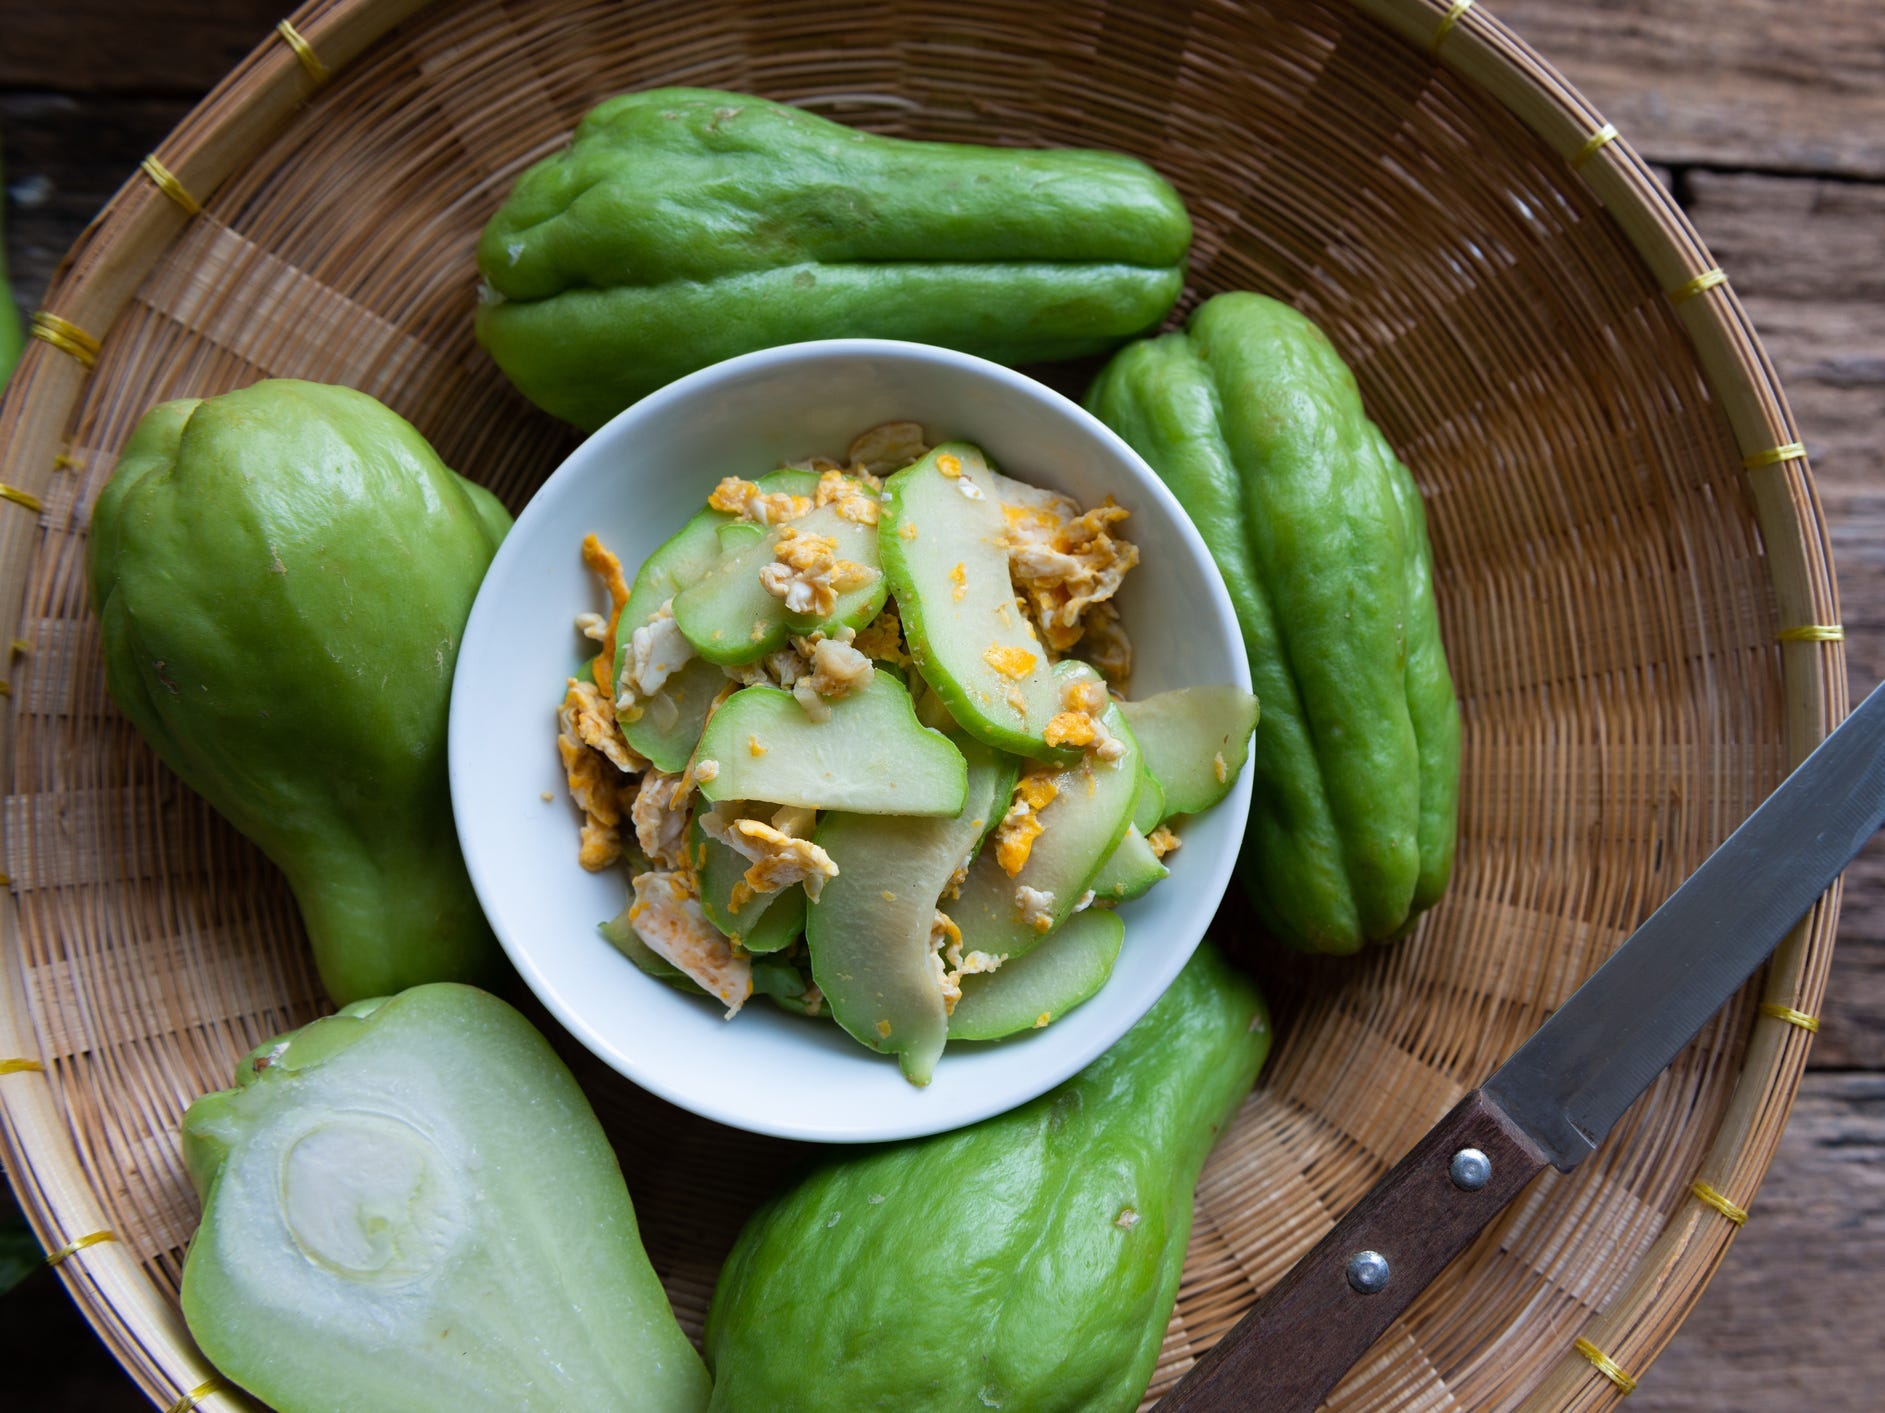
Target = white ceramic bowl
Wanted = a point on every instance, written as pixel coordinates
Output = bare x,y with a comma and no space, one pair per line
634,483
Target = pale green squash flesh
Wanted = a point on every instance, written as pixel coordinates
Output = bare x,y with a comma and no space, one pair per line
1129,870
670,723
1030,992
943,540
731,618
1081,827
869,756
375,1232
1196,740
869,931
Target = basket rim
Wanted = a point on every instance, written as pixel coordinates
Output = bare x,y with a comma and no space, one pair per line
99,276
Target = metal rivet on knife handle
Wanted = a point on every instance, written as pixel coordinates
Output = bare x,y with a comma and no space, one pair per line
1470,1170
1368,1271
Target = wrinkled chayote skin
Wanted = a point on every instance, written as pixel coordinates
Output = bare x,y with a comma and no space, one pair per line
1030,1261
682,226
409,1207
1256,424
282,575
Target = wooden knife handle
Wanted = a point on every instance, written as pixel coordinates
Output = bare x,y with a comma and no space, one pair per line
1289,1351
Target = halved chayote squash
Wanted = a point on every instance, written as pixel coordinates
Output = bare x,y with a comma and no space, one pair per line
375,1231
869,756
943,542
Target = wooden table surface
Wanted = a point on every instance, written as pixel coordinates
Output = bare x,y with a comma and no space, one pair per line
1768,119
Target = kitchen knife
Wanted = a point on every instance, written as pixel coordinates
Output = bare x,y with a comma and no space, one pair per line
1557,1096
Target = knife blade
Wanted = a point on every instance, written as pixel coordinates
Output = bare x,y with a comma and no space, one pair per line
1559,1093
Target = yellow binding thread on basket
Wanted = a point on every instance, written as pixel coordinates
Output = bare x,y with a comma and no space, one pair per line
196,1395
72,1248
1812,633
166,182
20,497
1707,280
1596,143
1774,455
1806,1022
21,647
21,1066
304,51
1451,18
1720,1201
1605,1365
67,337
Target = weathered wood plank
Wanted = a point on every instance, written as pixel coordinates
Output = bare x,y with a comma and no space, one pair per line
64,157
1725,83
154,46
1808,258
1792,1318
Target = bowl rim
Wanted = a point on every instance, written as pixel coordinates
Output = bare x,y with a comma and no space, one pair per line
600,454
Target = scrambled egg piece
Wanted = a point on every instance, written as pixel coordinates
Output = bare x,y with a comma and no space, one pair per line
1021,825
657,650
807,573
837,670
596,763
887,447
666,915
853,501
1163,841
947,962
1010,662
744,499
660,816
1036,906
874,453
780,854
1105,644
1063,566
813,1001
585,715
1078,723
882,639
609,568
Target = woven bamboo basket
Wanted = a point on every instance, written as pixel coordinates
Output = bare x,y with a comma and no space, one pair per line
1633,577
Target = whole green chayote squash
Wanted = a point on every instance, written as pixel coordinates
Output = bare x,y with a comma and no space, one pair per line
682,226
1029,1261
282,575
409,1207
1256,424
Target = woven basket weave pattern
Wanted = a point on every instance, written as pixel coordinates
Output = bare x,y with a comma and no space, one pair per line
1606,593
